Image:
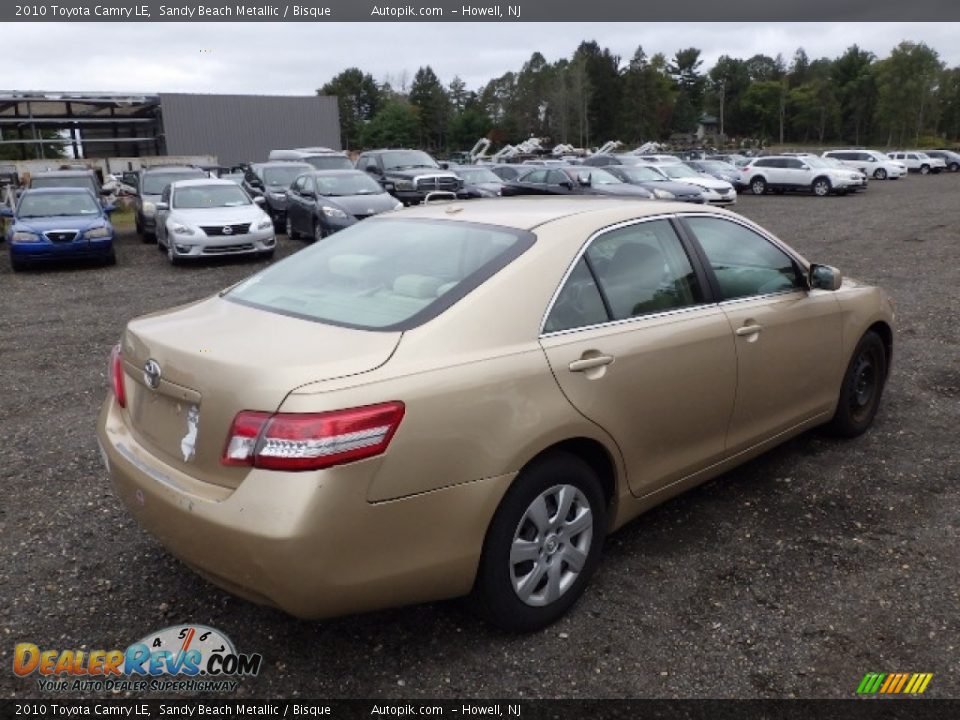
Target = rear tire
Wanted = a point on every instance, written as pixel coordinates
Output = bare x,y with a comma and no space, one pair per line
862,388
542,546
758,186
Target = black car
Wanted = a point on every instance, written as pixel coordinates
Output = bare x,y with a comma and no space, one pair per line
506,171
478,181
662,187
408,175
270,180
323,201
577,180
150,183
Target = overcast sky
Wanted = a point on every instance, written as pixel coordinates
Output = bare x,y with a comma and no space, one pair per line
297,58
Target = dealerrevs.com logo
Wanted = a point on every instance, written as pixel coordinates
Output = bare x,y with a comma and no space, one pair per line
180,658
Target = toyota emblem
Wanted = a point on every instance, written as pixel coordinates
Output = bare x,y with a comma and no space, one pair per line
227,230
151,374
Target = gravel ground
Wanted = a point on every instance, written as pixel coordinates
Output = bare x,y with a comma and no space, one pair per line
789,577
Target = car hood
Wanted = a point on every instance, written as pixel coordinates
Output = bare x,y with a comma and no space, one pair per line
218,215
677,188
411,173
621,189
706,181
66,222
362,204
219,357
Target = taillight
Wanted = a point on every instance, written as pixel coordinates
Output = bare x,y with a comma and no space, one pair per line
116,376
311,441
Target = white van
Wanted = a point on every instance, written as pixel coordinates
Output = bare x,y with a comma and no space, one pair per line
322,158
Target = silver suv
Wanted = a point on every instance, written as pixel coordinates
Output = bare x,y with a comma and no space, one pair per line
780,173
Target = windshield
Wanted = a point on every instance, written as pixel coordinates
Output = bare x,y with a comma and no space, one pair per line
384,274
643,174
353,183
677,170
57,204
284,175
814,161
154,183
599,177
192,197
330,162
80,181
478,176
401,159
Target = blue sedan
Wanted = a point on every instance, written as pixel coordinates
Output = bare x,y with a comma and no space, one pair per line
58,223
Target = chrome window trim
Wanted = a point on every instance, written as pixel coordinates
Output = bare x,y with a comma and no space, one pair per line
677,311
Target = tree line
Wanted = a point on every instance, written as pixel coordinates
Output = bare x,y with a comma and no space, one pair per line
909,97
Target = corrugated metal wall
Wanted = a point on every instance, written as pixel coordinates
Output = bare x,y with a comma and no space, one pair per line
240,128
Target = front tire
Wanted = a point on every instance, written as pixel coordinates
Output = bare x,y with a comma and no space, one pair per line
172,253
543,544
861,389
319,231
291,233
924,169
880,174
954,167
821,187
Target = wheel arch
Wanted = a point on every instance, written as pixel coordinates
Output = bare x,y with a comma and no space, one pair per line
597,456
885,332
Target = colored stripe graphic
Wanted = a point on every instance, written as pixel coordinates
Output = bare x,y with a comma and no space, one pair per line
894,683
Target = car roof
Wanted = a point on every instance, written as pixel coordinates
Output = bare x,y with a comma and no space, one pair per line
171,168
279,163
192,182
336,171
527,213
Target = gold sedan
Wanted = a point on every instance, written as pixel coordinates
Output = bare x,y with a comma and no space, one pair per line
466,398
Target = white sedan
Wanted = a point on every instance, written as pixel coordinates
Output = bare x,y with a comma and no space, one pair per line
203,218
715,191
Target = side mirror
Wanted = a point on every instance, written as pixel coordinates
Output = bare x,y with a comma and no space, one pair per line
109,208
804,166
260,200
106,191
444,165
566,184
825,277
584,180
388,186
162,206
373,170
308,194
6,212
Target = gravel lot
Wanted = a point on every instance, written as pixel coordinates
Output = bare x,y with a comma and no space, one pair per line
789,577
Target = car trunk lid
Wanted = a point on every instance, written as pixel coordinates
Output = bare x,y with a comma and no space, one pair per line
190,370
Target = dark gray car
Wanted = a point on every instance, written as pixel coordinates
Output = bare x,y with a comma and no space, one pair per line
662,187
270,181
320,203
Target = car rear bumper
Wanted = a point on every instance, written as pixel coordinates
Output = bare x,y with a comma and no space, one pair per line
309,543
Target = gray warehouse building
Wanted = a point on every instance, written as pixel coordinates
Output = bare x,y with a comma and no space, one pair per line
235,128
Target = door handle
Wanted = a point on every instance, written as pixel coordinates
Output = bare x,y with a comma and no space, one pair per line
748,330
590,363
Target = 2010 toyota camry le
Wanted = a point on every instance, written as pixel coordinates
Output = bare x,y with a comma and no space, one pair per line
465,398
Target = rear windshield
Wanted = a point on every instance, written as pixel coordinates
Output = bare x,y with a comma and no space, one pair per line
384,274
